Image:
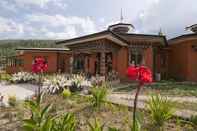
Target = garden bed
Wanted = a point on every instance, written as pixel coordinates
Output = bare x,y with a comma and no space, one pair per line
110,115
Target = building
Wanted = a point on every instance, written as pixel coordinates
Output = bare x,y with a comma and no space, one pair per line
55,57
111,50
183,56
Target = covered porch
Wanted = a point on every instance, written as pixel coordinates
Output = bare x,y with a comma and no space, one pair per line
97,57
109,54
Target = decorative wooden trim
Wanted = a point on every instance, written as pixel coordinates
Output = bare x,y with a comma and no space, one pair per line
96,46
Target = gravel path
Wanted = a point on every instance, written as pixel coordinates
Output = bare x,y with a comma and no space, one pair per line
21,91
128,96
126,100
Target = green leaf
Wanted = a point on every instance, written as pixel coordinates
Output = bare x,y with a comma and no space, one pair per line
29,124
45,110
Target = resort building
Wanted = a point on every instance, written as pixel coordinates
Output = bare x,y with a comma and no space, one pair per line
183,56
111,52
102,53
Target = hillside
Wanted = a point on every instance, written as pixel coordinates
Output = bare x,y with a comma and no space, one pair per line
7,47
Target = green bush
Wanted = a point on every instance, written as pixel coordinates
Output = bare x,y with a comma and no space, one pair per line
193,120
5,77
42,120
66,93
99,96
12,101
161,110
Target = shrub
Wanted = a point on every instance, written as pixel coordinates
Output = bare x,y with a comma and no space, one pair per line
12,101
23,77
54,84
161,110
5,77
66,93
41,120
193,120
99,95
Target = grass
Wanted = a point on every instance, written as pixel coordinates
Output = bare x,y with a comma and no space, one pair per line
164,88
113,116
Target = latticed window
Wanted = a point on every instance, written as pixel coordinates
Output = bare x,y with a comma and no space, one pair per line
135,57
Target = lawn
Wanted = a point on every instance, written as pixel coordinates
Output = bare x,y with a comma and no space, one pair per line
164,88
109,115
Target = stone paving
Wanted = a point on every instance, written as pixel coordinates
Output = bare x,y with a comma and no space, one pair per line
127,100
21,91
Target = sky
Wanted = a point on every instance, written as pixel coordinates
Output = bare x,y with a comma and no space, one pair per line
64,19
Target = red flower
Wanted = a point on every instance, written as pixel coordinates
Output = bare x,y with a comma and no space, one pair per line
39,65
132,72
141,74
145,75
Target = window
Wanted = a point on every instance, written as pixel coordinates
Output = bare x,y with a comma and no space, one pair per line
78,64
136,58
19,62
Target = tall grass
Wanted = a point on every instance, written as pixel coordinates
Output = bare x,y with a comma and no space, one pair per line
96,126
161,110
99,96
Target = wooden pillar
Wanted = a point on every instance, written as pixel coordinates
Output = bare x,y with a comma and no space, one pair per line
102,64
154,66
71,63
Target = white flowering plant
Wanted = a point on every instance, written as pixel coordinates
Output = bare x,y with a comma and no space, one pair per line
23,77
54,84
76,83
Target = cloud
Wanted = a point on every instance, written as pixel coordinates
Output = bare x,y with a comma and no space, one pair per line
8,25
7,6
69,32
170,15
85,25
40,3
71,18
43,26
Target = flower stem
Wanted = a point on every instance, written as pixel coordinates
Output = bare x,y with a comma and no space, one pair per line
135,106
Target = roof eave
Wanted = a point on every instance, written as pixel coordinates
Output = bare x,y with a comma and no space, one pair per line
102,35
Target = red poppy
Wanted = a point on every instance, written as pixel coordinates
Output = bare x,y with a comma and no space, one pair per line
141,74
39,65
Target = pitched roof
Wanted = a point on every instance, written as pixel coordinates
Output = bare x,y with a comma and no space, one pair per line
183,38
132,38
43,49
122,39
193,28
103,34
